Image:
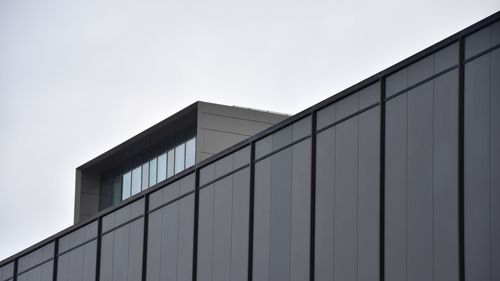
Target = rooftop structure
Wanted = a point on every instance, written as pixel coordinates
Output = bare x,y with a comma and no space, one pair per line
162,151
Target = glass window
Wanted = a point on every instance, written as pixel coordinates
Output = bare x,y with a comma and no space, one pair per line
170,166
152,172
127,180
136,181
179,158
162,167
145,176
117,190
190,152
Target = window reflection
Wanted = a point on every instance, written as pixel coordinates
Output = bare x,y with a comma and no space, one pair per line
162,167
127,180
170,163
179,158
152,172
136,181
145,176
156,170
190,152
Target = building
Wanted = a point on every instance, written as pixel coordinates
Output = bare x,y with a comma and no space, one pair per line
166,149
396,178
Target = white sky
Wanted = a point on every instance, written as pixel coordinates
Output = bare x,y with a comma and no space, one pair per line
79,77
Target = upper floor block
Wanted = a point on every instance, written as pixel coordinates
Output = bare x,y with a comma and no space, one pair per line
169,147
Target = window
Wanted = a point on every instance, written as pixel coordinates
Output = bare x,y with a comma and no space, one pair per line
190,152
179,158
136,181
162,167
145,176
152,172
170,165
127,180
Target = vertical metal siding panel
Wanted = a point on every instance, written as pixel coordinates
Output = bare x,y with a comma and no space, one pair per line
478,42
325,116
48,251
46,271
186,232
476,151
90,230
89,261
368,195
239,239
135,250
324,234
420,184
301,211
347,106
171,192
205,233
369,96
6,271
495,34
282,137
395,189
222,229
24,262
75,264
120,253
36,274
396,82
263,146
106,265
420,70
446,177
495,160
168,245
262,220
62,267
301,128
29,260
22,277
346,181
224,166
446,58
122,215
154,252
281,204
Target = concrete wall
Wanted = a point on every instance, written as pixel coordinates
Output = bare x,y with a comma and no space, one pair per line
87,193
220,126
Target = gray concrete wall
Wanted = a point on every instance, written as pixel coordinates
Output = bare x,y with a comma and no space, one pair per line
86,195
221,126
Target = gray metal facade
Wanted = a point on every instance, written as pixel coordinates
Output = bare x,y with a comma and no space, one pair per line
396,178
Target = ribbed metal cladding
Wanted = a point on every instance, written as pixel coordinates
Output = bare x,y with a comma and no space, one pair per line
395,178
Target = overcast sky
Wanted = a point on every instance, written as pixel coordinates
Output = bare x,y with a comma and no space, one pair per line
79,77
